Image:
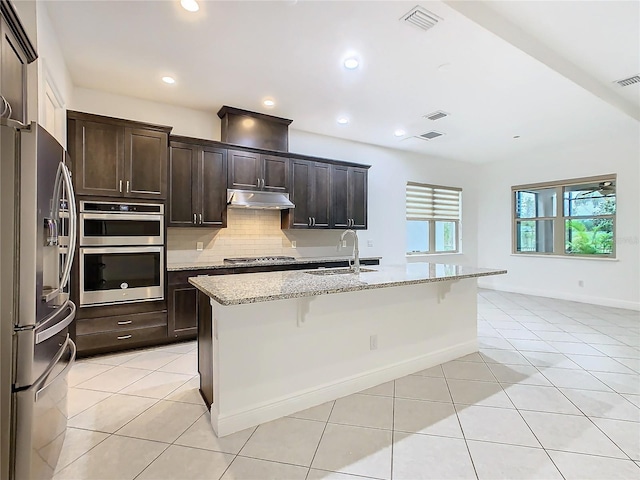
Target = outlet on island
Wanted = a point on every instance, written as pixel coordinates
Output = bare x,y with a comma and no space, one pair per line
199,246
293,244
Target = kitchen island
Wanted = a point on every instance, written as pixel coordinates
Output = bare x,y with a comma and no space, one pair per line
271,344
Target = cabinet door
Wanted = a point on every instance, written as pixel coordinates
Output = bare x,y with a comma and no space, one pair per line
244,170
13,77
212,187
99,159
183,311
358,197
339,196
183,164
301,173
275,173
146,163
321,194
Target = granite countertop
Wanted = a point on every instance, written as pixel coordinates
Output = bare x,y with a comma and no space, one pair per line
264,287
177,266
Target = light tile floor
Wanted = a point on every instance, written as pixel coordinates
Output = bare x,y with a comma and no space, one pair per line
553,393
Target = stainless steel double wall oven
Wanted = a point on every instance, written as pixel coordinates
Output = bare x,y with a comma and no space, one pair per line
121,252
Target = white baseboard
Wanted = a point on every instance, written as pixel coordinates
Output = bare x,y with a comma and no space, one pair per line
280,407
605,302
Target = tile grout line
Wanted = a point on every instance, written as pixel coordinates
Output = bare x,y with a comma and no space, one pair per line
466,443
326,423
393,425
523,419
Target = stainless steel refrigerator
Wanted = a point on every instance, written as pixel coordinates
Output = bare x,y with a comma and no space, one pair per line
37,245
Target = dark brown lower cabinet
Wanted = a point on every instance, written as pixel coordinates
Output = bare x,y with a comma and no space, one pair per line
120,332
183,310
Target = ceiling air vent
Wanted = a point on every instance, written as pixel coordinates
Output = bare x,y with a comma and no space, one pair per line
421,17
628,81
436,115
430,135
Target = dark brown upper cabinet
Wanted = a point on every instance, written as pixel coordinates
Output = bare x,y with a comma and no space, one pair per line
16,51
197,185
310,192
348,197
255,171
118,158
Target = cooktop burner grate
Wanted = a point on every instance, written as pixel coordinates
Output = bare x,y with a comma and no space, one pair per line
267,259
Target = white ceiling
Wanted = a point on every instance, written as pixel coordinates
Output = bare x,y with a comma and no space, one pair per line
238,52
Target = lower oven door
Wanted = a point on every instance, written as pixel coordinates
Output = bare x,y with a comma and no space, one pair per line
41,419
121,275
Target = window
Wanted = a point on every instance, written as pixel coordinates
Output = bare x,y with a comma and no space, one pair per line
433,218
569,217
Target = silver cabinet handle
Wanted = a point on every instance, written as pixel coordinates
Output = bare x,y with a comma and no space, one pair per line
200,218
194,219
309,222
127,186
120,186
124,337
313,220
258,182
125,322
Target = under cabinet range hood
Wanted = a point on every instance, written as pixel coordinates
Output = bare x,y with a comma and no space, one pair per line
258,200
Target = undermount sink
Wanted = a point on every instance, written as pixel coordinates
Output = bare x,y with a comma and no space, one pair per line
339,271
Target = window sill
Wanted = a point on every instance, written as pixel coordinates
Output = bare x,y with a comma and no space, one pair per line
569,257
439,254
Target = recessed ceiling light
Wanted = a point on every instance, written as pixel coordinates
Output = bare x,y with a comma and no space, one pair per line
399,132
169,80
342,120
268,102
190,5
351,63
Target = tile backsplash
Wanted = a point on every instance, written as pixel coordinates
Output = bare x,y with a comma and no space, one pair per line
250,233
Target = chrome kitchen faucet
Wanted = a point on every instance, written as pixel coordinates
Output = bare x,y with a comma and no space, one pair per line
356,253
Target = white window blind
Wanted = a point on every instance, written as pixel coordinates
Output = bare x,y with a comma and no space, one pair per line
432,202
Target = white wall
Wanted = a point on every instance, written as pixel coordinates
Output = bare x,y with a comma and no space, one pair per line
389,173
185,121
614,283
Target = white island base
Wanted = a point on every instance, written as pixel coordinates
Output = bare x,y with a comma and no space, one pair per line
274,358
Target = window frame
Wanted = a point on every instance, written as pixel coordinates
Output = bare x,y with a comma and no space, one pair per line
560,219
432,222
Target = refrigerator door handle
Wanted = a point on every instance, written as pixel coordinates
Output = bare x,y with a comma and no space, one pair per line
58,327
73,223
64,372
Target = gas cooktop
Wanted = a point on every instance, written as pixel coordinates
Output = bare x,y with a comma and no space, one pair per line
269,259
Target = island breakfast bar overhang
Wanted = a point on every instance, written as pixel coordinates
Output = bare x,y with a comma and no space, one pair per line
272,344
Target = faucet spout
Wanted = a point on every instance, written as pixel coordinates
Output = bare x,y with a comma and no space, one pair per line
356,252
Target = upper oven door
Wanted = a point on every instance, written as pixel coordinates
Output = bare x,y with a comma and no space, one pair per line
114,229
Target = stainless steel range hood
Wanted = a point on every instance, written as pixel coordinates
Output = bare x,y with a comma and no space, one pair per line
258,200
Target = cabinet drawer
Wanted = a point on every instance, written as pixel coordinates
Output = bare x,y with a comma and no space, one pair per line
119,339
120,322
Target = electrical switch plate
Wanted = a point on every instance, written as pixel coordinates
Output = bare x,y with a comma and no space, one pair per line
344,243
293,244
373,342
369,243
199,246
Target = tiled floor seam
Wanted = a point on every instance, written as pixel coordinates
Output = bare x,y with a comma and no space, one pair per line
315,452
85,453
393,425
466,443
587,416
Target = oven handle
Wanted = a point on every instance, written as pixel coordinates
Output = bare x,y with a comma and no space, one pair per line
150,217
90,250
